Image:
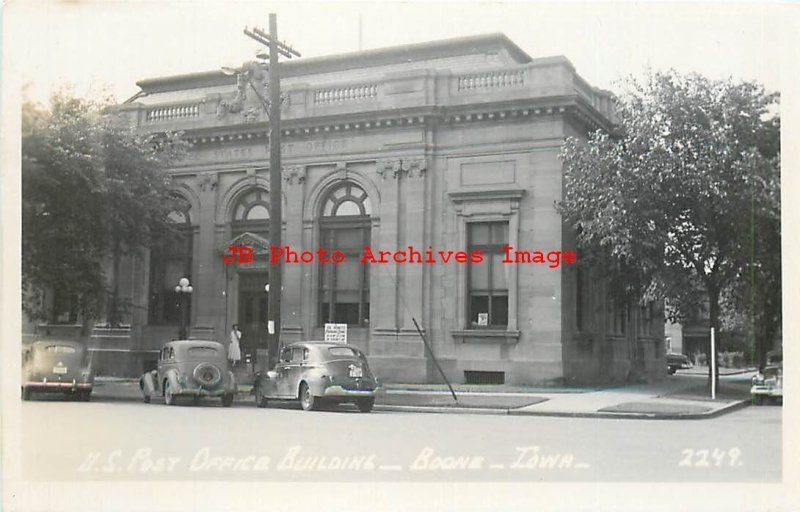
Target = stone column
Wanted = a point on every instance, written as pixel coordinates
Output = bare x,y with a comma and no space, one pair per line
207,306
384,307
413,286
294,276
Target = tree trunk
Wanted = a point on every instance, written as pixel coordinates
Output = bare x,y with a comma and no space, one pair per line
713,302
113,304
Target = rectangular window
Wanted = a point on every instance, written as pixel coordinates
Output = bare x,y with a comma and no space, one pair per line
170,260
487,282
344,287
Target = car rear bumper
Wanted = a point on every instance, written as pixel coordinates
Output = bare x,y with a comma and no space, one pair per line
205,392
339,391
762,390
57,386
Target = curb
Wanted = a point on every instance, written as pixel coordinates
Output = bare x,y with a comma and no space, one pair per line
441,410
637,415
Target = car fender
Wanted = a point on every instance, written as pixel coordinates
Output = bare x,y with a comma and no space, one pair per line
266,382
148,384
315,383
172,377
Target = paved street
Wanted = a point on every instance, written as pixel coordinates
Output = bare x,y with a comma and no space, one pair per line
133,441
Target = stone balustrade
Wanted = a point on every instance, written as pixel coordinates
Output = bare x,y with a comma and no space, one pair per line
348,93
552,77
490,80
172,112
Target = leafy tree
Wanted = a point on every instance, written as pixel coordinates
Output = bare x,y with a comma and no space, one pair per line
91,187
667,203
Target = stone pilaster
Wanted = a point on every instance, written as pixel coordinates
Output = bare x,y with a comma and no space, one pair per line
384,307
294,178
413,288
206,304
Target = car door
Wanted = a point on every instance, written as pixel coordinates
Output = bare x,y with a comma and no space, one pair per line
296,369
282,386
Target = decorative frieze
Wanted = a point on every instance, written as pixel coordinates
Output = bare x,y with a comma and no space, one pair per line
415,167
388,168
294,174
208,181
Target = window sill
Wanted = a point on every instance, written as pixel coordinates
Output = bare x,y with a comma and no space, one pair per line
491,336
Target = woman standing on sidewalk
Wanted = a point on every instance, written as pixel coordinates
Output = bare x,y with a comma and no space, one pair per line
234,350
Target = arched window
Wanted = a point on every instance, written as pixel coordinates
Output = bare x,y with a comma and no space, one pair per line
170,260
345,226
251,213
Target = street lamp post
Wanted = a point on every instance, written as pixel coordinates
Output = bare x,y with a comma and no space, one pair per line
183,289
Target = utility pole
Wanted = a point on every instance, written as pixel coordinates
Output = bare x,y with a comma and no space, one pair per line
276,48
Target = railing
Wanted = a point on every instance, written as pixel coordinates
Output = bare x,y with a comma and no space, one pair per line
491,80
341,94
169,113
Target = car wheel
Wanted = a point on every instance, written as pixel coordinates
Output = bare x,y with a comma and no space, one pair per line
169,398
671,371
261,400
227,400
307,399
365,404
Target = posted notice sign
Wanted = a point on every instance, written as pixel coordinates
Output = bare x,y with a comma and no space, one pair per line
336,333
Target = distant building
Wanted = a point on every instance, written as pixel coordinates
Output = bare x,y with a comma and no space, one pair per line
451,145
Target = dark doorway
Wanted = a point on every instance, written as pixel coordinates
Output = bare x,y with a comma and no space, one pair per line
253,312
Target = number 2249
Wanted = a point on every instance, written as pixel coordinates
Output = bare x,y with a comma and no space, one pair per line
710,458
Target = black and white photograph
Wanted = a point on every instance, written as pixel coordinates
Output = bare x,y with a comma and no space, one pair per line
398,255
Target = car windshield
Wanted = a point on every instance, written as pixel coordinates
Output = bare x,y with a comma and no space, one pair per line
60,349
343,352
202,352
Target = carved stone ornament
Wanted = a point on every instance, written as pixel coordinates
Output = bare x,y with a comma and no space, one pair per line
251,114
389,168
341,170
208,181
415,167
294,174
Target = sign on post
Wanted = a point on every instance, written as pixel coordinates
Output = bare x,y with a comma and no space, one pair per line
336,333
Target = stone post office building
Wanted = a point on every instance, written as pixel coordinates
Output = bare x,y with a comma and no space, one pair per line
451,145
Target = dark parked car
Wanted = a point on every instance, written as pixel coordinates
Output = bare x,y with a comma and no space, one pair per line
190,368
768,385
316,373
677,362
62,366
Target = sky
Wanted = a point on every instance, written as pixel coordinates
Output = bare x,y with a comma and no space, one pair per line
108,45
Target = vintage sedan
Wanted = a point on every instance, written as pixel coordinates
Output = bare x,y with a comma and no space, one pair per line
767,384
60,366
190,368
316,373
677,362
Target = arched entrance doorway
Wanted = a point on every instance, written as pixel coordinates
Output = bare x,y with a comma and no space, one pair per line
253,311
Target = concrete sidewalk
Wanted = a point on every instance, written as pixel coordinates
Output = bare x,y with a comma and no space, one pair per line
668,399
